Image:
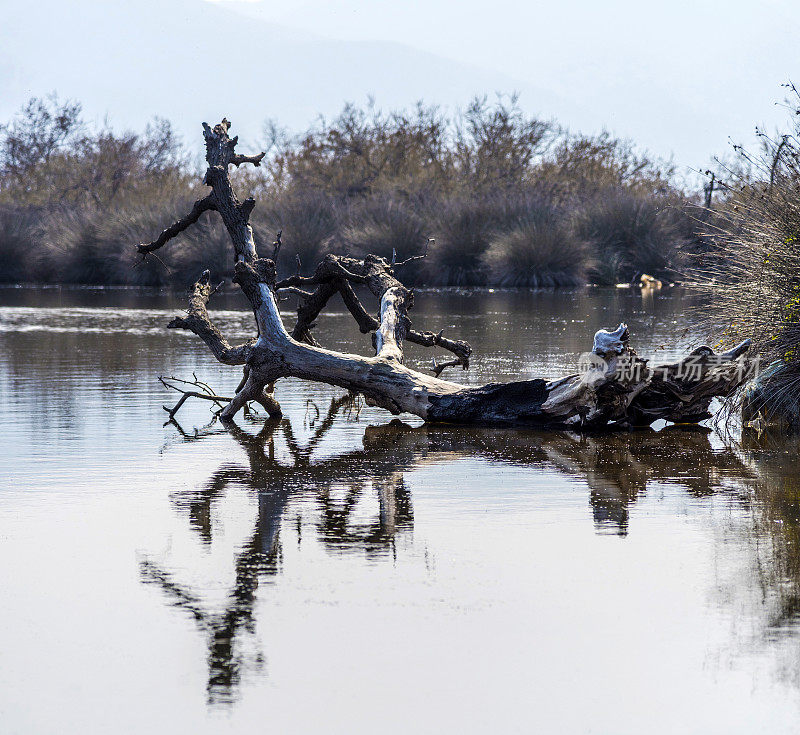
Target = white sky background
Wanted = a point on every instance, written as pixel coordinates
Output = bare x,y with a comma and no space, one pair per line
678,78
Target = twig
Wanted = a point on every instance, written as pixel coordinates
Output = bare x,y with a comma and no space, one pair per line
276,246
205,393
431,242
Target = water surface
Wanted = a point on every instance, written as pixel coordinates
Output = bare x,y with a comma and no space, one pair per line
340,571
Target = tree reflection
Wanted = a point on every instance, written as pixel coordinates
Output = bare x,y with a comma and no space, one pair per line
275,484
618,468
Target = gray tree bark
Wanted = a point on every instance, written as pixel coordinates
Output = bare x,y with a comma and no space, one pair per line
617,389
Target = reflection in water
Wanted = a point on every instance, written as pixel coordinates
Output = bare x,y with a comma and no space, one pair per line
616,467
275,484
775,495
501,580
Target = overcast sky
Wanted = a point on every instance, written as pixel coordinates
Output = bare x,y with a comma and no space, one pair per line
677,70
679,78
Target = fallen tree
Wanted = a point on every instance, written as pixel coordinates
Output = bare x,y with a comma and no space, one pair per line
618,388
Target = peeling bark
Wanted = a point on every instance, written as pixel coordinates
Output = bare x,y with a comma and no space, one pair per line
617,389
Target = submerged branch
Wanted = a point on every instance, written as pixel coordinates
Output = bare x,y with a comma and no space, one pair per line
204,393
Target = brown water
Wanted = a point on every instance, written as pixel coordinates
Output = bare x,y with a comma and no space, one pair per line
342,572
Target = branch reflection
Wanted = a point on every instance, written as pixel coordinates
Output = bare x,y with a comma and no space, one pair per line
617,469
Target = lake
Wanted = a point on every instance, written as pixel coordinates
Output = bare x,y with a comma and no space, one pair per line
344,571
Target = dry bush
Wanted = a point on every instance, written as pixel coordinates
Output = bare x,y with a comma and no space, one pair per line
366,181
753,270
83,245
539,249
756,283
463,227
19,236
382,225
308,220
632,234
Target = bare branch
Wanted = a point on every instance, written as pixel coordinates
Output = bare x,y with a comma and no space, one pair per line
296,292
438,367
308,310
431,242
205,393
276,246
200,206
198,321
367,323
330,269
237,159
247,206
459,348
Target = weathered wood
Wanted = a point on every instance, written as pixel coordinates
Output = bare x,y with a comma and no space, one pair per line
617,388
201,205
220,154
198,321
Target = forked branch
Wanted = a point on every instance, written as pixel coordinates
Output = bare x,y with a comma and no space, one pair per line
609,392
203,392
198,321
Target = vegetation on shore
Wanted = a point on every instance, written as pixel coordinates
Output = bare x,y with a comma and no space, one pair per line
753,270
510,200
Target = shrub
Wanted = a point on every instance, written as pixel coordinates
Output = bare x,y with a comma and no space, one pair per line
480,181
631,234
463,227
19,235
382,225
308,219
84,245
756,288
755,273
539,249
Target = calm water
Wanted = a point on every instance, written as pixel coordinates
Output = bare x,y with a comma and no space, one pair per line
343,572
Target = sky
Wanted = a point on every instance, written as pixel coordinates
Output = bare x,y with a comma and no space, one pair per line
679,76
680,79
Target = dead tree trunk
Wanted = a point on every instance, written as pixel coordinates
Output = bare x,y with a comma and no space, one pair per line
617,388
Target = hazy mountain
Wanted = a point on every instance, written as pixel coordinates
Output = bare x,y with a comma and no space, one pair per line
190,61
676,78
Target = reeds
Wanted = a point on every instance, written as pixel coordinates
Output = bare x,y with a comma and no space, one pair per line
754,272
632,234
510,200
539,249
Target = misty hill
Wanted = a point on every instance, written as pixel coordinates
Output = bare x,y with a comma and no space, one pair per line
189,61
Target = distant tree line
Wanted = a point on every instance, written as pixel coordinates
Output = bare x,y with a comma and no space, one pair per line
511,200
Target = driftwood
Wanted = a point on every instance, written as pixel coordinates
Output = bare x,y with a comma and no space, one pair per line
617,388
